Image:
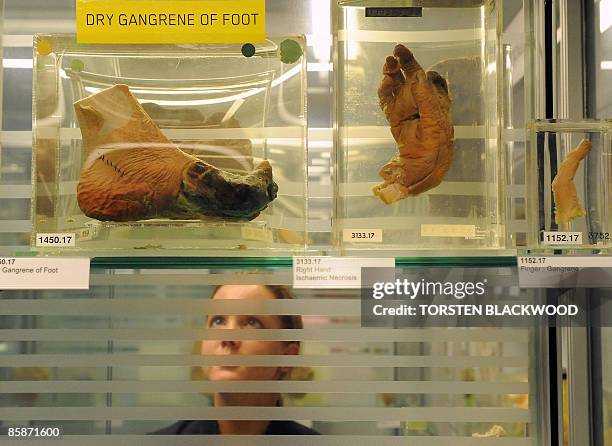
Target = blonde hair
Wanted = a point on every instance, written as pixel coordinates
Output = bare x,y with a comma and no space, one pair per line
288,322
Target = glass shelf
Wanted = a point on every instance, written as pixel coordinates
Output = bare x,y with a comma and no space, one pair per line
274,263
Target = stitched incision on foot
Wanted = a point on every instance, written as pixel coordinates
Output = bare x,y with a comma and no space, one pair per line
417,106
567,206
109,163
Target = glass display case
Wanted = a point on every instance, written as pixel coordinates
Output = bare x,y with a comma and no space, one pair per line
570,164
160,149
128,357
568,131
123,136
419,156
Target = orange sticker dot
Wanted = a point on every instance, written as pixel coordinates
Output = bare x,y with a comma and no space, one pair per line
44,47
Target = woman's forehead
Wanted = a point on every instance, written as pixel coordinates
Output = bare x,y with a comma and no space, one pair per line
243,292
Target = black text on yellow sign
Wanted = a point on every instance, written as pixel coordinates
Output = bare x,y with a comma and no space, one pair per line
178,21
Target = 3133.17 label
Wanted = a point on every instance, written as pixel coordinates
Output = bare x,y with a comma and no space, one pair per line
362,235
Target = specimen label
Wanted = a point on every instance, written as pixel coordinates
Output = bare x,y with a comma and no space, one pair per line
163,21
433,230
259,234
565,271
55,239
595,261
362,235
561,238
44,273
394,12
334,272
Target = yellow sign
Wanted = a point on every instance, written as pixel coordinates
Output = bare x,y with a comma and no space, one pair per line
177,21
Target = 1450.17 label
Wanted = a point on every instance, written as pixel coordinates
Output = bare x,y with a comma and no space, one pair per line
55,240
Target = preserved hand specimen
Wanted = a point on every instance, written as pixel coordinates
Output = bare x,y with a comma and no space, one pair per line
564,189
133,172
417,106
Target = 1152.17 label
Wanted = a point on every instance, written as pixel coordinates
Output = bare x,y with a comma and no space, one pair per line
561,238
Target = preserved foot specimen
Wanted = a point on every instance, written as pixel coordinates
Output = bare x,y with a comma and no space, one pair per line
564,190
417,106
133,172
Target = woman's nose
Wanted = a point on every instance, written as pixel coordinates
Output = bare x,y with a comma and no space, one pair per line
229,344
231,324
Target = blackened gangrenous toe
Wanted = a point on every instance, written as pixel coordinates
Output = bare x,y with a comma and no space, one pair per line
263,172
272,191
265,167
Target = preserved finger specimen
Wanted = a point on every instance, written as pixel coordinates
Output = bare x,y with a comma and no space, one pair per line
567,205
133,172
495,431
417,106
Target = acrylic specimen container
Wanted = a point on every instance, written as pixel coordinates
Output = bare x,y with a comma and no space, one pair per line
570,206
463,215
170,149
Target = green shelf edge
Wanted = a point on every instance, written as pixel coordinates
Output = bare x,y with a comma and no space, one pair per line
482,262
282,262
192,262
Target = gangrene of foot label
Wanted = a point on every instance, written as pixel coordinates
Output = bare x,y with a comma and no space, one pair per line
163,21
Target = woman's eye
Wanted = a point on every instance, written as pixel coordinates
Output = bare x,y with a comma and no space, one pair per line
216,321
253,322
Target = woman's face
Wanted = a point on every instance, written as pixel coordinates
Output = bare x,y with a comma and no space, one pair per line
246,347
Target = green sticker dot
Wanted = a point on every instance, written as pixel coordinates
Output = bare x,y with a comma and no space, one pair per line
77,65
291,51
248,50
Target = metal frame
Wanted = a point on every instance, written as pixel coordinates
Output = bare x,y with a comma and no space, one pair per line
574,45
560,34
539,375
576,343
